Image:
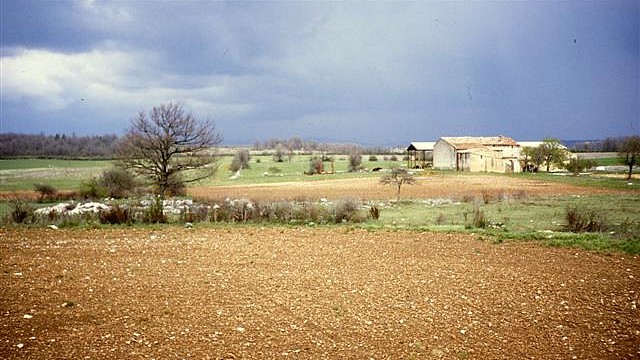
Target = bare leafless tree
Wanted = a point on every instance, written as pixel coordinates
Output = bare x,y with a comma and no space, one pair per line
398,177
167,145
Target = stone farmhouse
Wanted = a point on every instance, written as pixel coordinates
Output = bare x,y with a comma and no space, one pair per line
481,154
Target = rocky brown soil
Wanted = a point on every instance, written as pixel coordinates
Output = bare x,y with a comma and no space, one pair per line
305,293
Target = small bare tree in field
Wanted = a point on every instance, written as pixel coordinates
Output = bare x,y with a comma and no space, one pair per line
167,145
398,177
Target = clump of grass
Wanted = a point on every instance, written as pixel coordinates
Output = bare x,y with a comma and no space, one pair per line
441,219
477,219
579,220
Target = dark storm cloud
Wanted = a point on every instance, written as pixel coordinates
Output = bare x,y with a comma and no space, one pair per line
383,72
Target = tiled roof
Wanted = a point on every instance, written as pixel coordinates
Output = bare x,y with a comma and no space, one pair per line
470,142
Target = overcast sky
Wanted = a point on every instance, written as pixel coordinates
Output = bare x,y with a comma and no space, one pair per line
383,72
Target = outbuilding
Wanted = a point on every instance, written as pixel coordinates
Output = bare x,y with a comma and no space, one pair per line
480,154
420,154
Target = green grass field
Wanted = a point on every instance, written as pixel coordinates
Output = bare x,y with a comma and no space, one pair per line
23,174
264,170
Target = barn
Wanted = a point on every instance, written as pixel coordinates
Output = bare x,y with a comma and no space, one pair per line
420,154
479,154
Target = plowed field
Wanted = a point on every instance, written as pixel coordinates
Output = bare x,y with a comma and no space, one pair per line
333,293
449,186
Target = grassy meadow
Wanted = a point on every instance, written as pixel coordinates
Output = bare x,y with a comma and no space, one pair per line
506,219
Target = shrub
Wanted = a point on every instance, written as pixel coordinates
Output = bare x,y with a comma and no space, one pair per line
117,182
393,158
240,161
316,166
274,170
92,189
580,220
355,162
20,211
279,153
235,164
153,213
45,191
116,215
194,214
441,219
479,220
346,211
373,158
576,166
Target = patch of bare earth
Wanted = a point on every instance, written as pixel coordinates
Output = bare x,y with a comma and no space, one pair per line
434,186
303,293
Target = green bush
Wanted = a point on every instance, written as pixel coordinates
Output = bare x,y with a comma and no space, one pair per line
373,158
93,189
576,166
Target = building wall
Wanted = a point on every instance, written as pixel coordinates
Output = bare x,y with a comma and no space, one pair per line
493,159
444,156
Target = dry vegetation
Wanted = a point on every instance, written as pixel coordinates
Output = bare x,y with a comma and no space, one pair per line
431,186
309,293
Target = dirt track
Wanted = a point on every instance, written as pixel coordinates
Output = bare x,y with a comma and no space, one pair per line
309,294
434,186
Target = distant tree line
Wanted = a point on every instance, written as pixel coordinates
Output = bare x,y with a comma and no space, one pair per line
610,144
298,144
58,145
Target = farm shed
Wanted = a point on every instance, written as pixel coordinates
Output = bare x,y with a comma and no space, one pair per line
484,154
420,154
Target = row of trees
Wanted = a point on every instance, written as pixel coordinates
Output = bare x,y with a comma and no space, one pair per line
14,145
286,146
609,144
